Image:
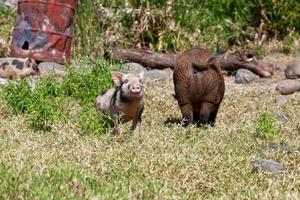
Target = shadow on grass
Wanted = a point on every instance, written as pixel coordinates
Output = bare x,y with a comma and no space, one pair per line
179,122
173,121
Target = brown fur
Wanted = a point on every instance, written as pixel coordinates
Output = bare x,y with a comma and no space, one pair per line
199,86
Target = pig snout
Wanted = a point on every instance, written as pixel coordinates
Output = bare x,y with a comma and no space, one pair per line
136,88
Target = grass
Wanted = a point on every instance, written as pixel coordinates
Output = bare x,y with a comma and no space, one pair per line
43,104
164,161
265,126
74,158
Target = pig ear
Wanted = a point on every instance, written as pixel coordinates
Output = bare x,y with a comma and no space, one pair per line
141,74
117,78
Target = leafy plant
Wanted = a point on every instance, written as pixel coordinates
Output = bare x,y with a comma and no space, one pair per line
265,126
45,103
88,82
19,97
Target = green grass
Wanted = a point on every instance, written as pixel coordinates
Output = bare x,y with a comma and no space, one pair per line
178,25
265,126
163,161
44,104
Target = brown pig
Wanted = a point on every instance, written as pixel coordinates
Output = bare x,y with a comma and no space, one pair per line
124,102
199,86
16,68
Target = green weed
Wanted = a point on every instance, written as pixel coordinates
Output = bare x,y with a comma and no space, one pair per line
265,126
19,97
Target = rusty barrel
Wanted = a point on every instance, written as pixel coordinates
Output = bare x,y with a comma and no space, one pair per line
43,30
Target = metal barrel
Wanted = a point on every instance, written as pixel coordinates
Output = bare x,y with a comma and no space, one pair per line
43,30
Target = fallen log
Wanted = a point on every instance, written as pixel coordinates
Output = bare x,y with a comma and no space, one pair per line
227,61
144,57
238,60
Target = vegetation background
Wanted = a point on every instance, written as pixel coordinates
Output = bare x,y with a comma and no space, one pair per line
54,145
174,25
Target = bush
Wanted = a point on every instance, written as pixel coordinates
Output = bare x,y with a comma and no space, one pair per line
19,97
45,105
175,25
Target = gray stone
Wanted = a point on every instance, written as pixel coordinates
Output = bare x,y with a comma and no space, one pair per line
286,87
293,70
281,116
12,4
158,75
244,76
277,148
32,82
281,100
135,68
296,54
280,67
275,55
51,67
269,166
3,81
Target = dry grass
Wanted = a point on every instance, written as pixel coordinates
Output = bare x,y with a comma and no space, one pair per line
164,161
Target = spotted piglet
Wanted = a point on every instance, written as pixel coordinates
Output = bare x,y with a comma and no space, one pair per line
16,68
124,102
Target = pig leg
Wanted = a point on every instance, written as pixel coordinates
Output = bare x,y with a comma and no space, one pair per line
136,126
213,114
118,129
118,125
187,113
136,122
207,113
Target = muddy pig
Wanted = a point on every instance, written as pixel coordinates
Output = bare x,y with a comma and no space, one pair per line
16,68
124,102
199,86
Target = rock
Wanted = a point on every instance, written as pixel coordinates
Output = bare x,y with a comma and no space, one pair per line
293,70
244,76
275,148
32,82
52,67
158,75
296,54
280,67
135,68
3,81
12,4
269,166
281,100
286,87
281,116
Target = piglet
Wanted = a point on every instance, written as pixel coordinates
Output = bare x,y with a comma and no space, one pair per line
124,102
16,68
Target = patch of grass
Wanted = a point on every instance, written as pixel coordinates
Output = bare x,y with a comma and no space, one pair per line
7,18
161,162
86,83
265,126
45,103
19,97
93,121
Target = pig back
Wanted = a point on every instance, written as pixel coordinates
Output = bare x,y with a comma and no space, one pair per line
207,86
